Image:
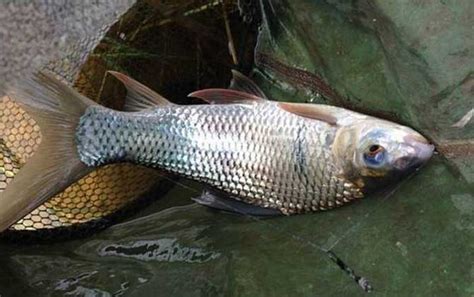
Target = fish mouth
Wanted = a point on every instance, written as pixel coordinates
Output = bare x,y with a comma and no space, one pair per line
423,149
420,152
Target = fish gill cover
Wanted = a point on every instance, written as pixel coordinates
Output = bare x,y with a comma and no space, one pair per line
410,62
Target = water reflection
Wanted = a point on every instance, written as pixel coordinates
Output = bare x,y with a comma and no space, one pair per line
161,250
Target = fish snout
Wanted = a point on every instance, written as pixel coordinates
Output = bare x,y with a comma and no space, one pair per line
423,150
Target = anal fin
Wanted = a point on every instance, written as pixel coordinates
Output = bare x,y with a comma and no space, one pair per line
219,201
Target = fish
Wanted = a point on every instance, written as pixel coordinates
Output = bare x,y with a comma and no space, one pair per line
256,156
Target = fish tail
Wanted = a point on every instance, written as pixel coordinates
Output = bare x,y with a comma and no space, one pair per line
56,108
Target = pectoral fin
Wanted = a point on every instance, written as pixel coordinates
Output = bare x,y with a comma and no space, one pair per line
217,201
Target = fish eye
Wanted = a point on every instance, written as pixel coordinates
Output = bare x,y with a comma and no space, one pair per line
374,155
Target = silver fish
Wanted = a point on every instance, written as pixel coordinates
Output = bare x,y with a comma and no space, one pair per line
274,157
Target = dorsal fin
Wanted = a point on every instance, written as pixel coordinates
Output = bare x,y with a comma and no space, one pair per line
311,111
139,96
225,96
242,83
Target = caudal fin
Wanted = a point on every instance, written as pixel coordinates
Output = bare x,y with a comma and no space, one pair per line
56,108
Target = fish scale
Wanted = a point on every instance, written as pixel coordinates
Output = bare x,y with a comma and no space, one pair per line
257,153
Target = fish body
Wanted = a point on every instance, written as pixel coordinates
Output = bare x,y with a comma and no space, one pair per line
287,157
258,153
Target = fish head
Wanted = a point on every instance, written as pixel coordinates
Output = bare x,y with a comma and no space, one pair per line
373,152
